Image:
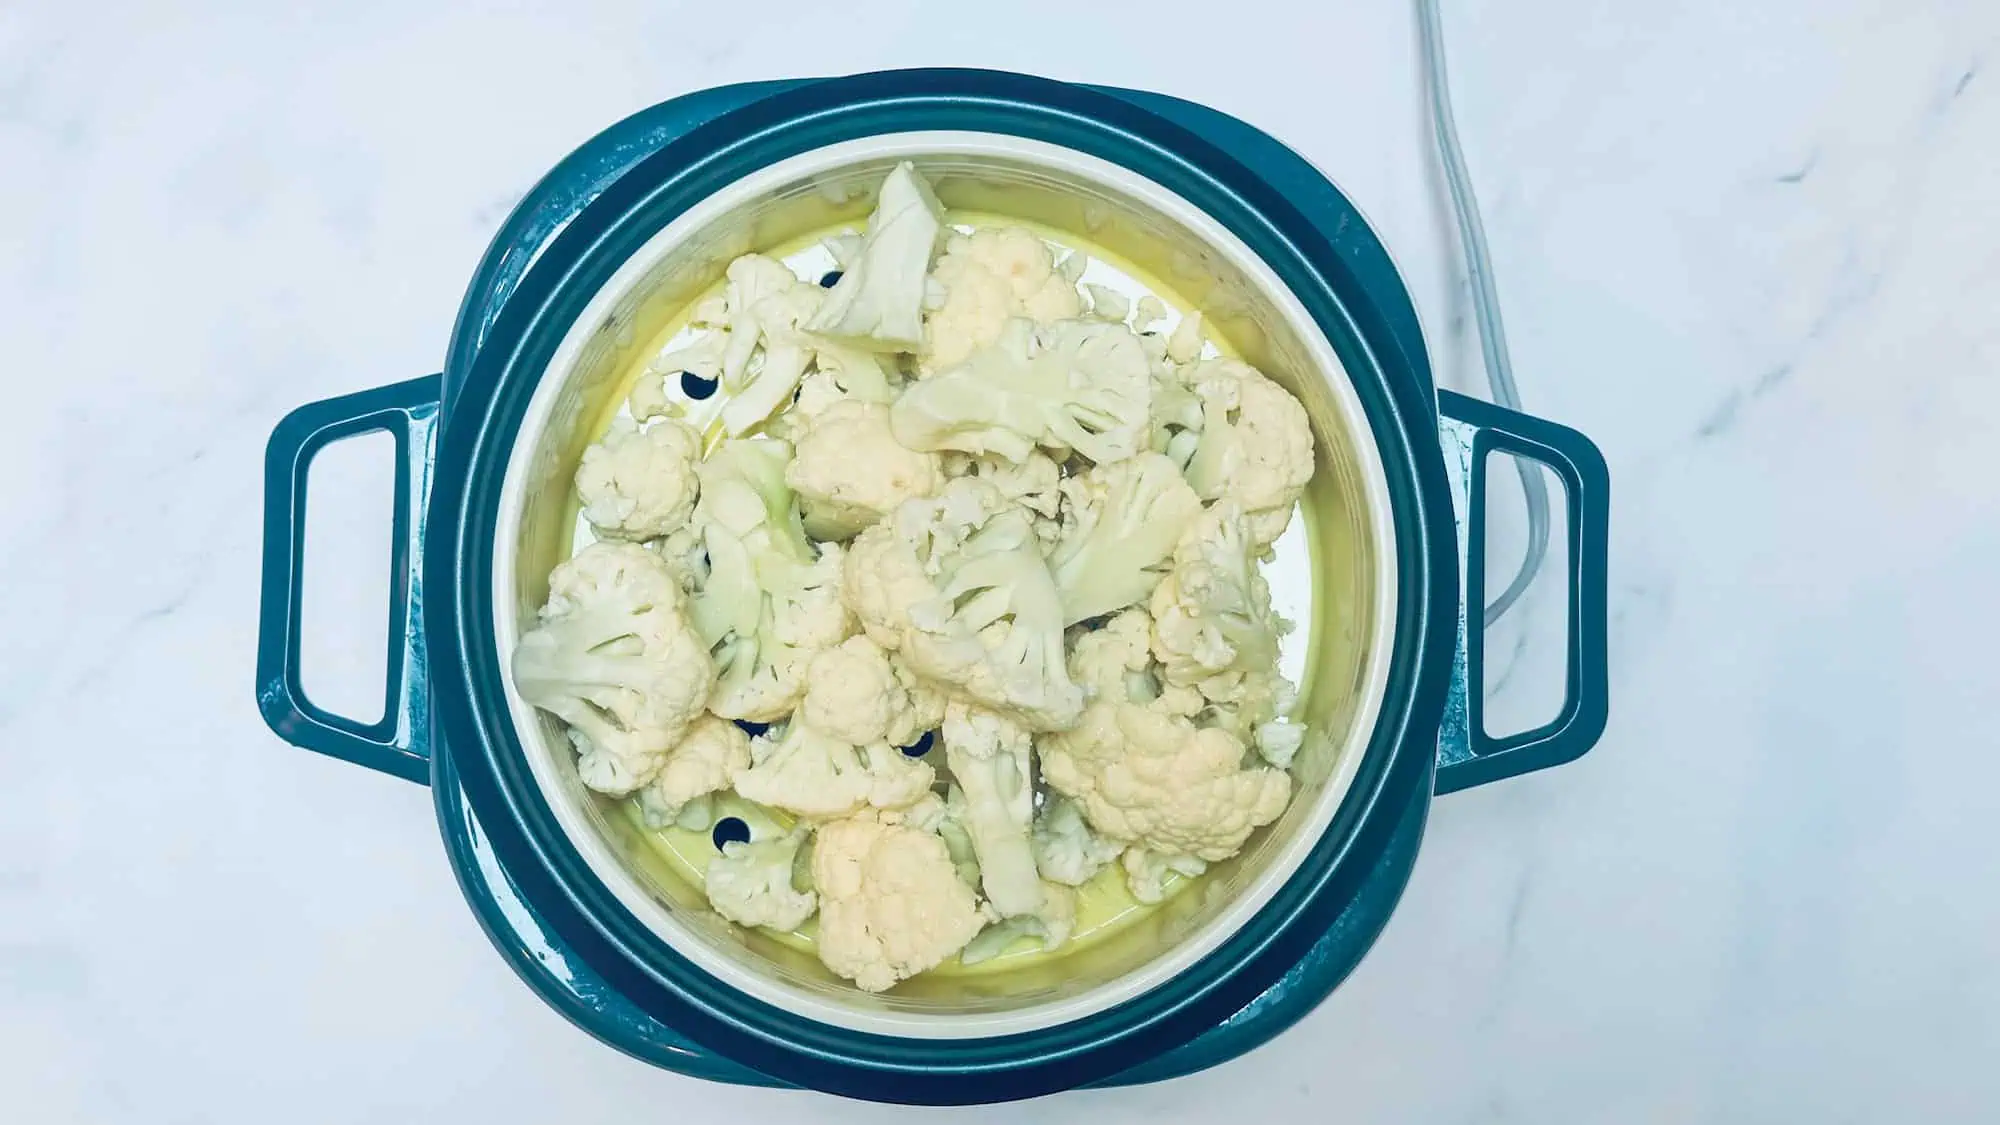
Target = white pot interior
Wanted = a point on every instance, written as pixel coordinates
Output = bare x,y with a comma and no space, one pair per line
1334,575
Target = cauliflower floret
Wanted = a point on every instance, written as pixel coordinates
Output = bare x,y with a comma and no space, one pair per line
878,302
705,760
849,472
1278,741
1146,872
750,883
768,306
1050,926
1156,780
616,658
891,904
1066,850
685,555
1070,385
956,583
993,763
840,373
1107,303
988,276
816,775
860,693
1120,522
1255,443
946,817
1115,662
769,604
639,484
1212,613
1035,484
1184,344
701,355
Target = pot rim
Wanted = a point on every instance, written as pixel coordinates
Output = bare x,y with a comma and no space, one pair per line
576,821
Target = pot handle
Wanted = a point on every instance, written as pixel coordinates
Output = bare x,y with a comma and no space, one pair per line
1472,429
399,743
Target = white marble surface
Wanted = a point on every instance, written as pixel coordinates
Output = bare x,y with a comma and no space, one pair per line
1750,248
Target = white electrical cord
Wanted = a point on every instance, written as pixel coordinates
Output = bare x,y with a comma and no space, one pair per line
1485,302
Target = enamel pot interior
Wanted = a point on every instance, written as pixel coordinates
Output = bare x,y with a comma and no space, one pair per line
1357,573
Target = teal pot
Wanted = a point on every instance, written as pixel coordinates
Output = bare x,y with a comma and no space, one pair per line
637,221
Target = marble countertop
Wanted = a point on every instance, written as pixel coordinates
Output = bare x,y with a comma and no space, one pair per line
1748,248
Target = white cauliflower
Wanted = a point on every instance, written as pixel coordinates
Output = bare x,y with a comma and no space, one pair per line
701,356
956,583
615,656
1035,484
750,883
1120,523
1050,927
840,374
1069,385
1184,344
891,903
989,276
1115,661
1278,741
768,308
703,762
992,761
1066,850
1212,613
685,555
1107,303
1254,443
639,484
1146,872
813,774
878,303
849,472
769,603
1157,780
946,817
858,692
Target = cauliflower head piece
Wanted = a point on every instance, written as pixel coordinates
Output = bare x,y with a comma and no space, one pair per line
1146,872
1254,443
770,601
751,883
1049,927
992,761
988,277
878,303
1157,780
1120,524
615,657
957,585
1070,385
1212,613
768,349
705,761
813,774
849,472
891,903
858,692
639,484
1066,850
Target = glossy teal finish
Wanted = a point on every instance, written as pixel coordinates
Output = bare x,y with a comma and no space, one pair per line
1470,431
557,935
400,742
